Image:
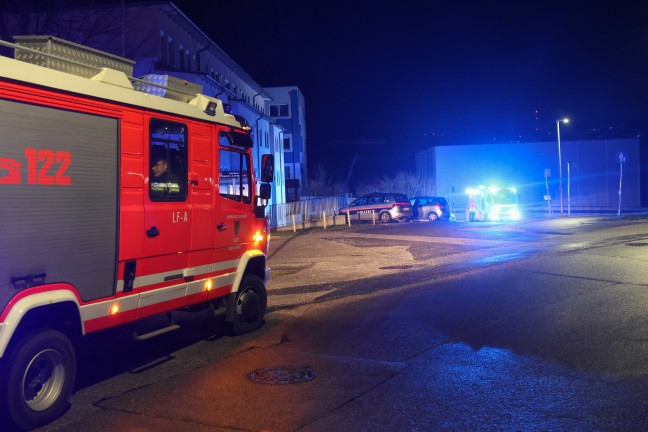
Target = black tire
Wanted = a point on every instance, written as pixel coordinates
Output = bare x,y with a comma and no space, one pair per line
385,217
432,216
38,378
247,306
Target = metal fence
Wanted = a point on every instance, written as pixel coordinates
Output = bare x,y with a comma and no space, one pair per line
306,210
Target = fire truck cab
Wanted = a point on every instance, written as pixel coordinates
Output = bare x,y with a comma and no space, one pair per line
122,199
492,204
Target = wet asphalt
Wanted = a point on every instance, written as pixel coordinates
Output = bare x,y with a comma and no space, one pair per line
410,327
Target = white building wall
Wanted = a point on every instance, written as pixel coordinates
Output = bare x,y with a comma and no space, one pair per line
593,176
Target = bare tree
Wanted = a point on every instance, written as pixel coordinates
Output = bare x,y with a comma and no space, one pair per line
319,184
402,182
102,25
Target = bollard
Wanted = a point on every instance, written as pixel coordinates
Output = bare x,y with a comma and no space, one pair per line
324,217
373,216
294,225
349,217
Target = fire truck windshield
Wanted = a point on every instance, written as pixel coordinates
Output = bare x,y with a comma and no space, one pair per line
505,196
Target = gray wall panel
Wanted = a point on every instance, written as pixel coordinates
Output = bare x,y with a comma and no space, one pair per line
67,232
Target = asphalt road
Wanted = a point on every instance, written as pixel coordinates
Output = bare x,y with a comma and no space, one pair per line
539,325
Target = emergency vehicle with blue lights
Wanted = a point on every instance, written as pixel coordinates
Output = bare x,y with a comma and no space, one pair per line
122,199
492,204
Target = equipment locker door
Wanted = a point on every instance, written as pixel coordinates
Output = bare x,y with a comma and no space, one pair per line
58,194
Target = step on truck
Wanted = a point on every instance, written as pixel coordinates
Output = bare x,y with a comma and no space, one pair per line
122,199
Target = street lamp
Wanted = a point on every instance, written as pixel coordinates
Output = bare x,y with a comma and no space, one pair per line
564,120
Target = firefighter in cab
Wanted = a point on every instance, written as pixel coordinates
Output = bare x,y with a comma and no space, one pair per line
163,181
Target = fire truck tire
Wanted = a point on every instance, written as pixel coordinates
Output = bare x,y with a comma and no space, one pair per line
432,216
38,378
385,217
248,305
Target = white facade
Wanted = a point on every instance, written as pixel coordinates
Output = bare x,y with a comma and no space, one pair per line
287,107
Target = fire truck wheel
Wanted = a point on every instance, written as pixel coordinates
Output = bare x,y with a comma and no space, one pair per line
248,305
385,217
40,375
432,216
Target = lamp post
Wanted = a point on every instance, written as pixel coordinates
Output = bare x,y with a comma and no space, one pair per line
564,120
569,164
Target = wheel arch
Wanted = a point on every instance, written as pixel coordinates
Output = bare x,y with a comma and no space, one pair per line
252,262
58,310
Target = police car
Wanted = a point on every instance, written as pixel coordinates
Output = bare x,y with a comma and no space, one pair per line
385,207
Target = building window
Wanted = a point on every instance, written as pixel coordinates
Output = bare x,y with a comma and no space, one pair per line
188,61
182,58
164,46
287,144
168,161
287,171
279,110
171,52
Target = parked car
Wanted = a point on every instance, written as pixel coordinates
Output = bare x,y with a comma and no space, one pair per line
431,208
386,207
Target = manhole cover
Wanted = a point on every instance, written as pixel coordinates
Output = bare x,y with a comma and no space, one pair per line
637,244
283,375
397,267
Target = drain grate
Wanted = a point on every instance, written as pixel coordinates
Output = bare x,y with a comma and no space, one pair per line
283,375
637,244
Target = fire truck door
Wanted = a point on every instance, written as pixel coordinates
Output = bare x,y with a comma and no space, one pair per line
234,215
168,203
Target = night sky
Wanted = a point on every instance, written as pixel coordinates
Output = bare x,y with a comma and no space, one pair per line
384,79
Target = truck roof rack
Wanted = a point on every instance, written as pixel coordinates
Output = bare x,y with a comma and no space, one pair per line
65,56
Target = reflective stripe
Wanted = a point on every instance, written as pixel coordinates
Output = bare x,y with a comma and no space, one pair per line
200,272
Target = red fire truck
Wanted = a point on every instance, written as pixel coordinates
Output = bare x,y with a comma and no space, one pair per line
492,204
118,205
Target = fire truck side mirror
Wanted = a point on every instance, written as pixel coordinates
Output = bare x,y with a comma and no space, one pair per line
267,168
265,191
